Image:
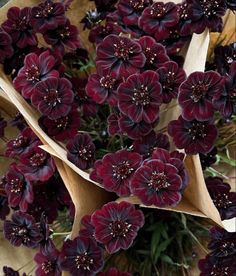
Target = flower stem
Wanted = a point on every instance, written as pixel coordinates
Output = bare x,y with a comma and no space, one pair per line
61,234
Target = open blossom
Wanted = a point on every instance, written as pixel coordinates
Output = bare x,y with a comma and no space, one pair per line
119,55
87,228
36,68
116,225
113,124
140,96
209,158
6,50
224,57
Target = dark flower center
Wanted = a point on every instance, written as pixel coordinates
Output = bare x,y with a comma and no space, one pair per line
209,7
20,231
137,5
227,247
183,11
158,181
16,185
84,261
222,201
33,73
169,82
62,123
22,24
150,55
122,170
119,228
85,152
64,32
197,130
48,267
122,50
52,98
20,142
107,82
219,271
141,96
158,10
199,91
46,11
232,95
38,159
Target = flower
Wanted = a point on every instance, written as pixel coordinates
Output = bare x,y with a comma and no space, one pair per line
4,208
196,94
47,16
121,56
224,57
102,88
8,271
140,96
35,69
3,125
116,225
22,144
116,171
87,229
6,50
113,272
37,165
92,18
223,243
19,190
81,151
170,78
53,97
224,200
19,28
18,121
158,18
231,5
208,159
46,244
113,125
81,256
193,136
157,183
22,230
154,52
48,263
145,145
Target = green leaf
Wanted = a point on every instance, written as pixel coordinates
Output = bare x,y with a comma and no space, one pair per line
162,247
155,241
227,160
168,260
184,220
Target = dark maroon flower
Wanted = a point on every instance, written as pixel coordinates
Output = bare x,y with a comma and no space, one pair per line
19,28
120,56
102,88
116,170
87,229
154,52
116,225
64,36
206,14
114,272
193,136
4,208
8,271
170,78
208,159
157,183
185,22
92,18
81,256
81,151
36,68
48,263
37,165
62,128
224,57
196,94
140,96
231,5
22,230
224,200
148,143
6,50
22,144
113,125
46,244
3,125
223,243
158,18
18,121
47,16
225,101
53,97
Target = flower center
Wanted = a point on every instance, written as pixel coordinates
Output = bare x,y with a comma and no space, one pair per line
197,130
64,32
122,51
119,228
107,82
158,10
137,5
48,267
84,262
141,96
122,170
158,181
16,185
150,55
62,123
85,152
209,7
52,98
20,142
169,81
227,247
22,24
45,11
198,91
183,11
33,74
219,271
222,201
38,159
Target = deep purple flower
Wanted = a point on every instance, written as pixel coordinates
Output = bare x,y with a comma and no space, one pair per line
170,78
113,124
158,18
22,230
8,271
154,52
18,121
87,228
81,151
19,28
116,225
145,145
225,101
81,256
4,208
3,125
224,57
185,22
157,183
208,159
19,190
193,136
105,5
53,97
6,50
116,171
223,243
62,128
196,94
224,200
22,144
36,68
206,14
92,18
120,55
140,96
102,88
37,165
48,263
47,16
46,244
114,272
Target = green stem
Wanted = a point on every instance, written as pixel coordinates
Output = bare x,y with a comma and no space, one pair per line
197,241
61,234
